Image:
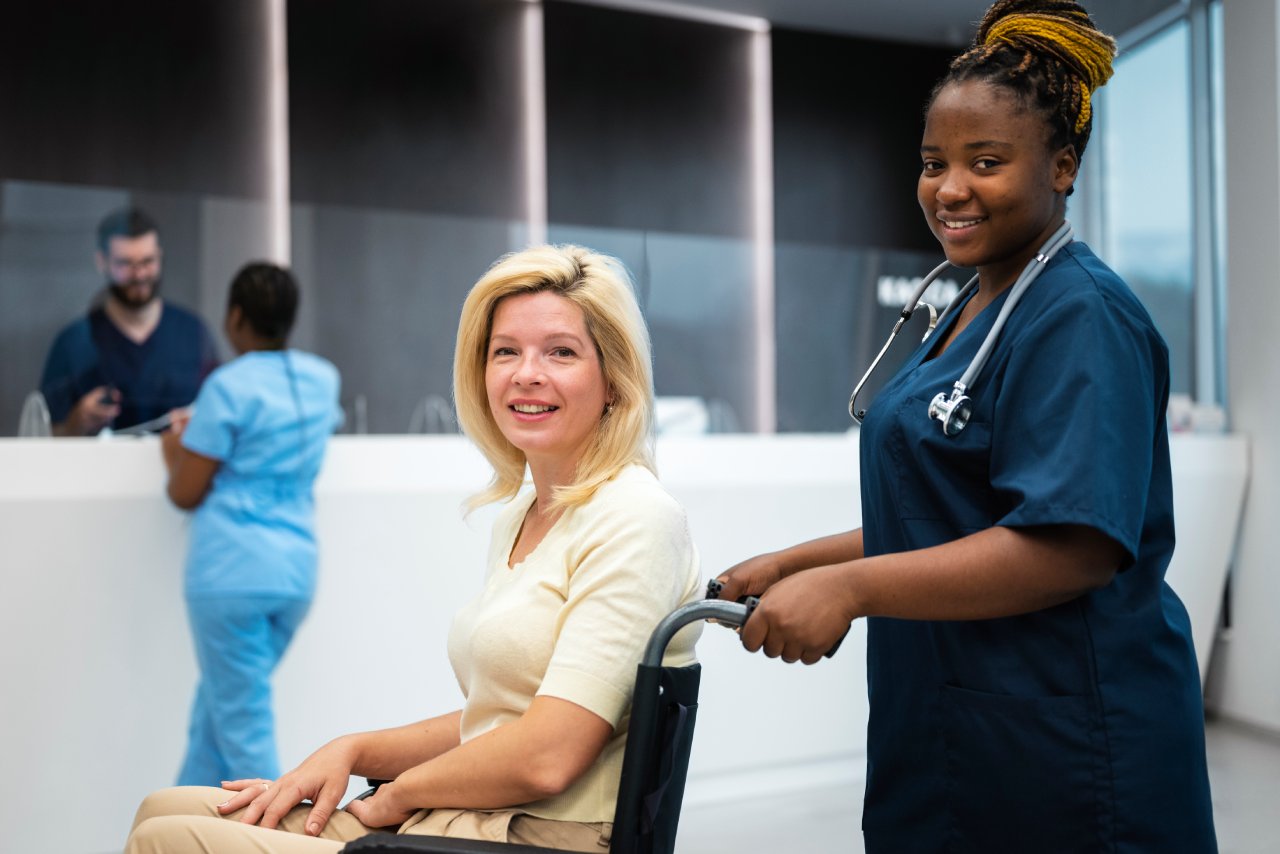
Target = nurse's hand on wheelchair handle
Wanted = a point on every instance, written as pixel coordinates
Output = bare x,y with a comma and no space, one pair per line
802,618
752,577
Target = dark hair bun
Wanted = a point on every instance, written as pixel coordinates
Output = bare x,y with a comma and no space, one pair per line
267,296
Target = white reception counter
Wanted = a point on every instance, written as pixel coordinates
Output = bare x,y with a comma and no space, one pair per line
99,671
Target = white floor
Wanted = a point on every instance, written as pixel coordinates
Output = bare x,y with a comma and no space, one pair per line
1244,771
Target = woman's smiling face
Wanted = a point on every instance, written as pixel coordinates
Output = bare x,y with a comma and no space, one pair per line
543,378
990,188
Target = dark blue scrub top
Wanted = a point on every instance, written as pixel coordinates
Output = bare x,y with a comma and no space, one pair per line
162,373
1078,728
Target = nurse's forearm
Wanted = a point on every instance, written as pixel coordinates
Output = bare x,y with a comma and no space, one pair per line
824,551
999,572
758,574
386,754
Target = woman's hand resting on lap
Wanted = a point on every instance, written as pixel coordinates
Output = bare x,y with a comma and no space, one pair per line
321,779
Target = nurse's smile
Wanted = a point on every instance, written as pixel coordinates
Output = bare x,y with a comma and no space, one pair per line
957,226
954,234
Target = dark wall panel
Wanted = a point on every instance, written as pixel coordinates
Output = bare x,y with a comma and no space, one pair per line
148,94
648,122
407,181
848,114
407,105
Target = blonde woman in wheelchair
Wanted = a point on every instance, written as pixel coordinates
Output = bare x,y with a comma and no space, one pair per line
552,373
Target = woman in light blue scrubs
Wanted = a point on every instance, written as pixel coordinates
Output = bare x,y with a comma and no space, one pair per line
246,461
1032,681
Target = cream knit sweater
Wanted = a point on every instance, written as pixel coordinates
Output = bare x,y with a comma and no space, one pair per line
571,621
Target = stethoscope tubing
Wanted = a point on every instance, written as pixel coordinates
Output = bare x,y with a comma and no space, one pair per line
1060,238
905,315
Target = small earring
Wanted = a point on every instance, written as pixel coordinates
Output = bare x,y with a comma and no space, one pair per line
608,407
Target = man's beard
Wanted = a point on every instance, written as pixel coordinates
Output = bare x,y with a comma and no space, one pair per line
123,295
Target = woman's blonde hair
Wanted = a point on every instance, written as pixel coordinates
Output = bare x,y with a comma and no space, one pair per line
599,285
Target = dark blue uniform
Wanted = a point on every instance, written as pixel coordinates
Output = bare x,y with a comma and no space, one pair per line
1078,728
162,373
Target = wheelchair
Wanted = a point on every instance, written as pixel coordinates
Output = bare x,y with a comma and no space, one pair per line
655,759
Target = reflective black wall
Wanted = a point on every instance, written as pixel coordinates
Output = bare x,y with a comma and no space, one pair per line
406,158
848,114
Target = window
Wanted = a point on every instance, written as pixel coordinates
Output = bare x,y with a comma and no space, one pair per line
1147,187
1155,174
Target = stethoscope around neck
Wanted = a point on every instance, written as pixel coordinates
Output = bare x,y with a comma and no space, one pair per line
954,411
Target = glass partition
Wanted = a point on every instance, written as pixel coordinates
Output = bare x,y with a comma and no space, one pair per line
145,102
48,276
695,295
841,304
383,291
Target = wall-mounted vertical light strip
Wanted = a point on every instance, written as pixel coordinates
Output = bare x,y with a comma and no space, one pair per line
535,123
278,132
762,227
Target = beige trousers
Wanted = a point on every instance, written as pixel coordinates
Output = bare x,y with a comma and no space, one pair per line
185,820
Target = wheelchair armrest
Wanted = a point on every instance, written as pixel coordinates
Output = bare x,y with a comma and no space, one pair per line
374,785
390,843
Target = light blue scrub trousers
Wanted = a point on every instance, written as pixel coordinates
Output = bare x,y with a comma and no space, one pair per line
239,640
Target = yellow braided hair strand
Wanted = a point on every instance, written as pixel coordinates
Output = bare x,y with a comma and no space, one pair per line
1071,38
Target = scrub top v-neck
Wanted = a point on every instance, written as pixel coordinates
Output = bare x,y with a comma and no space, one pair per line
1074,728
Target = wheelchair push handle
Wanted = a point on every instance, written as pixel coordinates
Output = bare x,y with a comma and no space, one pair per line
749,603
727,613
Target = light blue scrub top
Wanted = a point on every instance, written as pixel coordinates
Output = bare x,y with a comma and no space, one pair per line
267,416
1077,727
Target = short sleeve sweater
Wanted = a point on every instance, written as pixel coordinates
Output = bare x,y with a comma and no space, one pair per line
572,619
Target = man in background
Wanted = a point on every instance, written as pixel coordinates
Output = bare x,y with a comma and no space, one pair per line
133,357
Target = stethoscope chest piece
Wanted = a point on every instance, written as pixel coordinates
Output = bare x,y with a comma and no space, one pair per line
953,412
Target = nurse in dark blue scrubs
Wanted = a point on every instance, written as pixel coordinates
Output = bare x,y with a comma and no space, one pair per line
1032,681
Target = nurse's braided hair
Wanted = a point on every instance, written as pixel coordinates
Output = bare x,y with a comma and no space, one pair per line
1050,54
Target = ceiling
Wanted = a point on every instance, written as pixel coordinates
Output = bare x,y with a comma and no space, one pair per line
940,22
944,21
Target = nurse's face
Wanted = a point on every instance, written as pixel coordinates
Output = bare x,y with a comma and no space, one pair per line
991,189
543,377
